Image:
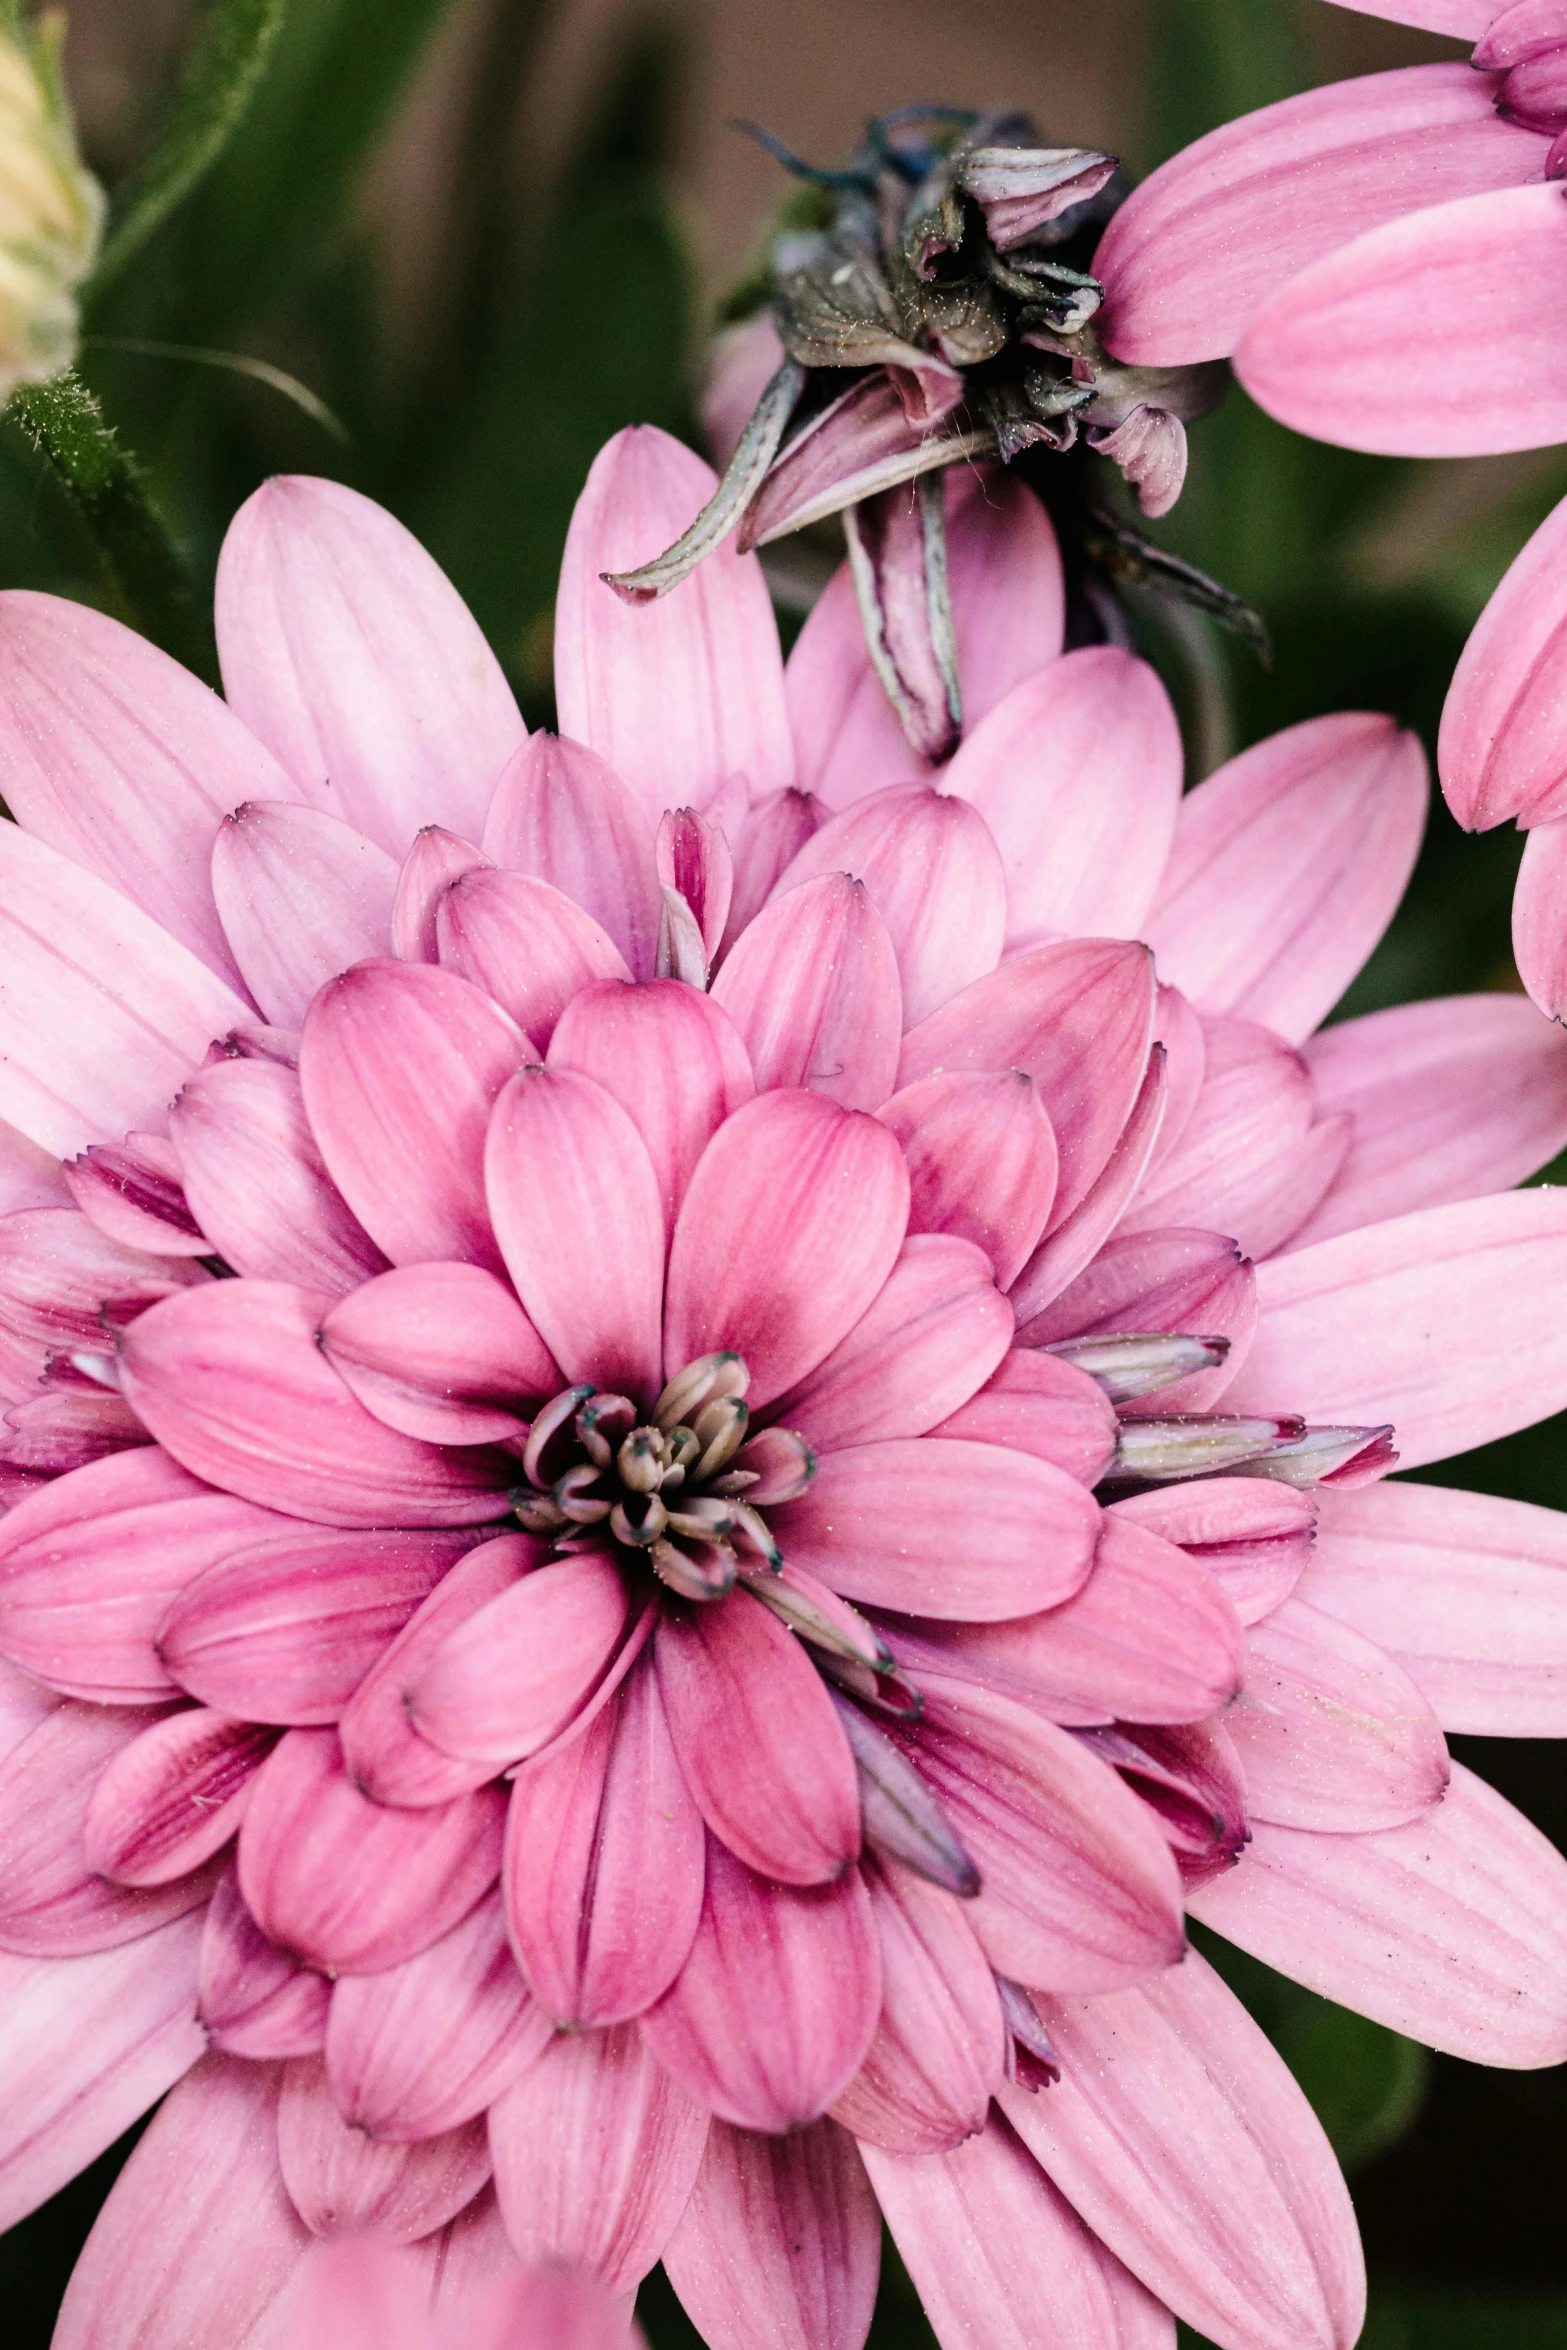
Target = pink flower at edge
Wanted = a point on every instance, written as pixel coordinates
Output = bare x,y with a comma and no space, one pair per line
651,1666
1385,258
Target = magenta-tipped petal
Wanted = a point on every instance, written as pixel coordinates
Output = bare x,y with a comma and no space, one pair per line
561,814
441,1352
813,989
170,1799
779,2247
527,945
342,2181
503,1683
1037,1404
982,1160
302,895
1540,918
673,1060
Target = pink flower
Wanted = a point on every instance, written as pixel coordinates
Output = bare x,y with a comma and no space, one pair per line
653,1665
1386,258
460,2290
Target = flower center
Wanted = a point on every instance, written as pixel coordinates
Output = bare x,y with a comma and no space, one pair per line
673,1486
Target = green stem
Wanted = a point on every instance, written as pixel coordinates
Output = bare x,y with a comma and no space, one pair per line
106,486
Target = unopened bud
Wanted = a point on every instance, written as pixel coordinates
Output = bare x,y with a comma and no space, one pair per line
1031,2060
51,211
1328,1456
709,1377
696,1571
1196,1444
900,1815
1133,1363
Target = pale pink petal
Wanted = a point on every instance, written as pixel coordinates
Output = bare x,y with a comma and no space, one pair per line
284,1630
1464,1095
1540,918
1178,1025
63,1284
672,1059
1187,262
352,657
1456,1334
198,2234
1358,348
878,1524
1078,1887
574,1201
1078,776
604,1861
401,1066
792,1223
1000,2259
1197,1282
813,988
1254,1534
31,1177
774,2009
505,1681
934,876
102,1014
733,1680
344,2182
982,1160
436,860
595,2152
134,1194
683,693
442,1352
1038,1404
1076,1017
1466,1590
779,2247
302,895
255,1999
90,2043
52,1433
172,1797
560,813
1184,2143
1498,752
770,835
123,761
1448,1929
1078,1237
525,943
230,1380
937,2058
1287,865
350,1885
256,1181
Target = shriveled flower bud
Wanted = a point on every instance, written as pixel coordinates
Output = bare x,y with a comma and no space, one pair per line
51,211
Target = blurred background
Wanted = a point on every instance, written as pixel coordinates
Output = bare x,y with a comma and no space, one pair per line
486,233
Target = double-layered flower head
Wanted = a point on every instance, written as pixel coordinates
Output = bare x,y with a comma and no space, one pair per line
666,1524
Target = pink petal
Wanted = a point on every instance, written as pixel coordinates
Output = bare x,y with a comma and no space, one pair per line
436,860
352,657
792,1223
198,2234
1254,1160
352,1885
1078,1888
401,1066
1497,751
734,1681
302,895
1191,1779
505,1681
285,1629
1523,29
1465,1590
230,1379
936,2060
934,876
672,1059
560,813
256,1181
172,1797
771,834
1185,2145
1331,1734
779,2247
1443,1322
932,1337
1077,1018
1078,1237
443,1352
999,2257
342,2181
1078,776
1035,1403
1180,1031
982,1160
694,861
604,1863
942,1527
255,2000
1450,1099
813,988
90,2044
123,761
574,1201
680,694
102,1015
384,1752
1246,209
425,2046
33,1178
58,1432
774,2009
1287,865
1540,918
595,2152
1448,1929
526,944
1357,349
1196,1282
1254,1534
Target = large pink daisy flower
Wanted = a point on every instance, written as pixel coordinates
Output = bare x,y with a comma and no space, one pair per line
665,1523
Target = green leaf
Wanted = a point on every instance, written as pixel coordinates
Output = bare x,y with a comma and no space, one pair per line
221,77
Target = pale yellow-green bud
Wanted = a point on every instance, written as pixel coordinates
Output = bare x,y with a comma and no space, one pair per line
51,212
